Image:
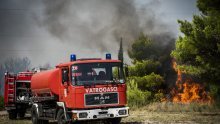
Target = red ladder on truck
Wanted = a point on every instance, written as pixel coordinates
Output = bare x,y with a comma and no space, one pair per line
9,90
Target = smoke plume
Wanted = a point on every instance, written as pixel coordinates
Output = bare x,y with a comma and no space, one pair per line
99,24
48,31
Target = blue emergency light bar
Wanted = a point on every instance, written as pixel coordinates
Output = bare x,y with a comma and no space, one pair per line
72,57
108,56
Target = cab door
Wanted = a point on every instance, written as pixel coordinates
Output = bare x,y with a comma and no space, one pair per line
65,78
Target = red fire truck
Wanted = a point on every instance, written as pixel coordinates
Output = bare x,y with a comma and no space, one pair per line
79,90
17,93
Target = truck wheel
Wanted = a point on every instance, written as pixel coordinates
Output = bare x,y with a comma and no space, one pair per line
114,121
12,114
44,121
21,114
35,119
61,117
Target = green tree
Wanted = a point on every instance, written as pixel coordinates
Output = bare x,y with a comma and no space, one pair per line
200,45
198,50
151,48
144,68
143,48
120,52
150,82
13,65
151,60
152,54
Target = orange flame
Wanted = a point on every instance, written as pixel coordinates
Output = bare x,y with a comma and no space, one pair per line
188,91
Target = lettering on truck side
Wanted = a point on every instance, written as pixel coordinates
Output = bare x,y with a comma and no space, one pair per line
102,89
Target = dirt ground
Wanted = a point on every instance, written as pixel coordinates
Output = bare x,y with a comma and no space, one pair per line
145,117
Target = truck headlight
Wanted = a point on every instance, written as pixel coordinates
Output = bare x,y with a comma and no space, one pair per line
83,115
122,112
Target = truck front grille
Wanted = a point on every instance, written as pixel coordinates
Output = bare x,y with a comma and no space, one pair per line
101,99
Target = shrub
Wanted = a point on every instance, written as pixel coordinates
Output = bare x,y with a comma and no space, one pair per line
158,96
150,82
143,90
144,83
136,97
214,92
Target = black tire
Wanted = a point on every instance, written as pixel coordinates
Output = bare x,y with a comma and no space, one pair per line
34,117
114,121
21,114
44,121
12,114
61,117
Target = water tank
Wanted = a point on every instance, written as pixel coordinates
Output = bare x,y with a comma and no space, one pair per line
46,82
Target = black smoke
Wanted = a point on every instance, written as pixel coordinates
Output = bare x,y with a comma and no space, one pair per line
50,30
99,24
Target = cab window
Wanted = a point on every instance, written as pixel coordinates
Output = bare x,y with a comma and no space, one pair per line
65,75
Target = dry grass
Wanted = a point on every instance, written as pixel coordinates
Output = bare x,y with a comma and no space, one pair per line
4,120
172,117
160,113
180,107
168,112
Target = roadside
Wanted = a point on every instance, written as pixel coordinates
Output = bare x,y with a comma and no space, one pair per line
146,117
3,113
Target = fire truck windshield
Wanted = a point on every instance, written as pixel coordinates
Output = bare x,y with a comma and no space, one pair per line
97,73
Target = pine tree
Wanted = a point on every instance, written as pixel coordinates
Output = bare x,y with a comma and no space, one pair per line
120,52
198,50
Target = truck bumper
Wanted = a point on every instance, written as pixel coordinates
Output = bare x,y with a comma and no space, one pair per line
10,108
100,113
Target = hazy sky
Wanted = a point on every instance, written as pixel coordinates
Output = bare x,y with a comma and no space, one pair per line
48,31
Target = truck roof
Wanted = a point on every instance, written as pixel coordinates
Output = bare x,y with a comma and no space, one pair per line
86,61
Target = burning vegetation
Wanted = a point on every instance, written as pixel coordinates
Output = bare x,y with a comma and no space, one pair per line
187,91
